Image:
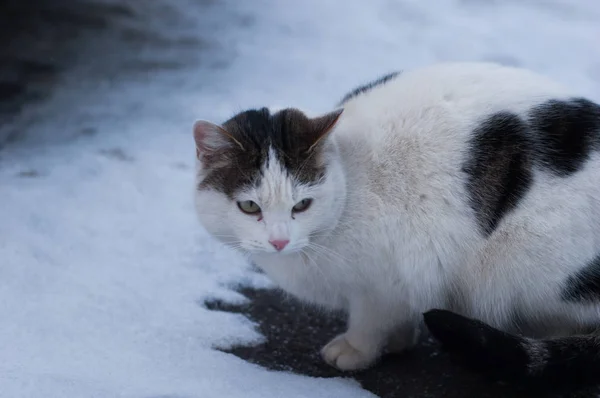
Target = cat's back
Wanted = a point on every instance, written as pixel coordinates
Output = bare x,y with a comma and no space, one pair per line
430,119
470,137
400,131
446,96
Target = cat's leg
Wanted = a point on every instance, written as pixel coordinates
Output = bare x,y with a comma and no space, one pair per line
371,323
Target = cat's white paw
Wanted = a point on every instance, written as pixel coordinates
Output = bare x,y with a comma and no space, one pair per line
341,354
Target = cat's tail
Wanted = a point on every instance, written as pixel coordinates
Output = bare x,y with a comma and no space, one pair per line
569,362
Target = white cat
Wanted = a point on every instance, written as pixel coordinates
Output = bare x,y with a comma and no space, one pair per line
468,187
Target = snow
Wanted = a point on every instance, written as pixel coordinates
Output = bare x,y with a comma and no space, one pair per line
103,266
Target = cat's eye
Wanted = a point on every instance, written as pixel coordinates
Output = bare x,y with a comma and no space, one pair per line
301,206
249,207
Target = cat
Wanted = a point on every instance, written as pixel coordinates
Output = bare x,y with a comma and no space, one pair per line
456,190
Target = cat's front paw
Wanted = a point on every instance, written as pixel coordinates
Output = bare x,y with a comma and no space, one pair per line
340,353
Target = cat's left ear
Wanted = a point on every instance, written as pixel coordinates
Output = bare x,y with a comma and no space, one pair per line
322,126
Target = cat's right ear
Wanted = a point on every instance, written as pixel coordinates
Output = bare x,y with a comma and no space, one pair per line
322,126
211,138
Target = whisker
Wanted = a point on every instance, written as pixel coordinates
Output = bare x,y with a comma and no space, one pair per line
240,249
320,253
314,265
328,252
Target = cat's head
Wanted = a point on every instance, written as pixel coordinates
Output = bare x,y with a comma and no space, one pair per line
268,183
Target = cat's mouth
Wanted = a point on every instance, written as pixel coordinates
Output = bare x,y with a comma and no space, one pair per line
256,248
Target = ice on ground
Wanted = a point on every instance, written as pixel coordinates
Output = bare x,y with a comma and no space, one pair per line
103,267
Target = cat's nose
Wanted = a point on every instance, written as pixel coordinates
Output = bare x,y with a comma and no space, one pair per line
279,244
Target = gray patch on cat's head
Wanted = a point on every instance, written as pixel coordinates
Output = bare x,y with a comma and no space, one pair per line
247,139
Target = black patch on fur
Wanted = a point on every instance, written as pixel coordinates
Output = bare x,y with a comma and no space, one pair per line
369,86
288,132
557,135
553,365
565,133
499,168
584,286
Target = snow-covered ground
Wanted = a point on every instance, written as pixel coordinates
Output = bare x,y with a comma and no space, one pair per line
103,267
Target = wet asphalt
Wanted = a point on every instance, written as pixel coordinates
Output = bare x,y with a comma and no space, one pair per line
295,333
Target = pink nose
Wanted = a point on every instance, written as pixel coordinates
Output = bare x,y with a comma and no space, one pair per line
279,244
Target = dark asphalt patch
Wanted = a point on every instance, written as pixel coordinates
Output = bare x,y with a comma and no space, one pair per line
295,333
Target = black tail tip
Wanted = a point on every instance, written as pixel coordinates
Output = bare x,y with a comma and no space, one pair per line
437,318
452,329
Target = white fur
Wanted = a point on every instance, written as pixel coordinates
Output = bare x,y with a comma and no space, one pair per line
390,233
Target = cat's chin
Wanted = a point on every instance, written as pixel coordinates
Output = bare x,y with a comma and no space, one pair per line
273,253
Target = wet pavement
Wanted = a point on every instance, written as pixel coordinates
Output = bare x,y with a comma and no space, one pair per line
39,41
46,45
295,332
